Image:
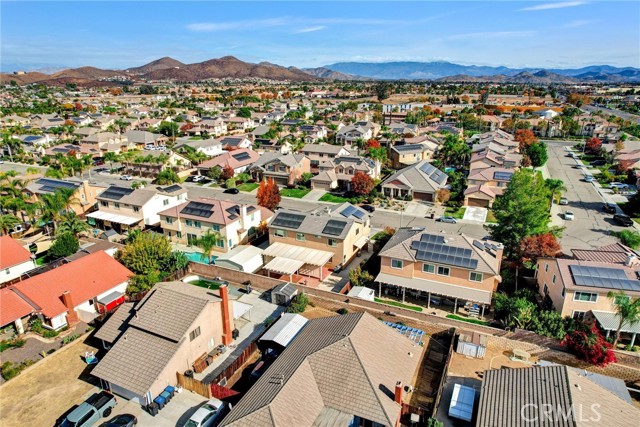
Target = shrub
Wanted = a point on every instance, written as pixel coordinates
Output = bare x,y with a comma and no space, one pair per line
66,340
342,311
589,345
66,244
36,326
10,370
14,343
299,304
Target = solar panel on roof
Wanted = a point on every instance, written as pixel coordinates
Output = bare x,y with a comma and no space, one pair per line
204,210
116,193
348,211
241,156
478,244
288,220
432,238
172,188
502,176
334,228
358,214
601,277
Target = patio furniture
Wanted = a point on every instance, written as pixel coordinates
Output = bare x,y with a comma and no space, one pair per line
90,358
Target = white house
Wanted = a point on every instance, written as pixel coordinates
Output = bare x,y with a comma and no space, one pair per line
15,259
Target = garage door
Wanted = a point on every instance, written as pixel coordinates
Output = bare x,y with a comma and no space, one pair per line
425,197
127,394
479,203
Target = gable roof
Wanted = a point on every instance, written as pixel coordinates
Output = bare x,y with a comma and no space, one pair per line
420,176
117,323
12,253
13,306
231,158
212,210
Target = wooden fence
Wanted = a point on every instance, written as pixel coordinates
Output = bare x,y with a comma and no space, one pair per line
194,385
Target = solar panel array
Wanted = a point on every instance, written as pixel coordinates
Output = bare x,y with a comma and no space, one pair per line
289,220
601,277
172,188
503,176
434,173
408,147
334,227
51,185
116,193
241,156
204,210
352,211
432,248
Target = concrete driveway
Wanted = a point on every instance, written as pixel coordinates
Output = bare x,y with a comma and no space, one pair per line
475,214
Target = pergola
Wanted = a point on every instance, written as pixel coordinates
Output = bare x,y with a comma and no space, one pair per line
287,259
609,322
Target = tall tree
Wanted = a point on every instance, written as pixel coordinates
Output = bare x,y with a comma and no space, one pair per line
556,186
521,211
627,309
268,194
72,224
537,153
525,138
538,246
362,183
208,242
7,222
55,204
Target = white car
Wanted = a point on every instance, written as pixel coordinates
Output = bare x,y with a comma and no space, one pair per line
619,185
198,178
126,177
568,216
206,414
564,201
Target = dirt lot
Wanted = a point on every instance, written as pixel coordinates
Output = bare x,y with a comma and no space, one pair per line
43,392
317,312
464,366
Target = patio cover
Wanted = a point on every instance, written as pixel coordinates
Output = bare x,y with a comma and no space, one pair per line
361,242
120,219
445,289
284,265
609,322
298,253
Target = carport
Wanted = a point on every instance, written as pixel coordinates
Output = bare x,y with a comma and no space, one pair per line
282,258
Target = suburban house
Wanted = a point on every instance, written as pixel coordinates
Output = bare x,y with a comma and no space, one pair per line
348,370
15,259
421,181
554,396
104,142
488,158
235,223
339,172
264,145
153,162
215,127
485,184
235,142
142,139
409,154
173,326
74,291
283,169
313,133
498,137
455,267
210,147
85,193
238,160
315,240
578,286
124,208
318,153
360,130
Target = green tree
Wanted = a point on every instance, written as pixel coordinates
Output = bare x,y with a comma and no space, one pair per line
111,157
556,186
549,323
454,151
65,244
149,256
167,176
55,204
538,154
168,128
244,112
208,242
382,90
627,309
521,211
629,238
7,222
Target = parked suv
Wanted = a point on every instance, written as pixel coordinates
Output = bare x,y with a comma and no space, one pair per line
90,411
609,207
623,220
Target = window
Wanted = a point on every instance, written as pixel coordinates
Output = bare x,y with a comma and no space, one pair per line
179,234
300,237
578,315
194,334
197,224
553,279
189,223
332,242
230,242
443,271
169,220
105,204
215,227
546,289
396,263
428,268
280,233
116,205
136,209
563,291
546,267
165,202
474,276
585,296
220,243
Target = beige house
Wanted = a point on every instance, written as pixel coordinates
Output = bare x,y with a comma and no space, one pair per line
455,267
85,194
485,184
318,153
166,332
283,169
237,224
339,172
421,181
409,154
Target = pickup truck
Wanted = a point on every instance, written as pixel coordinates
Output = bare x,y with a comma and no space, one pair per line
90,411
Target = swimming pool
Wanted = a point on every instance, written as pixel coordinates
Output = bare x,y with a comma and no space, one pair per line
199,257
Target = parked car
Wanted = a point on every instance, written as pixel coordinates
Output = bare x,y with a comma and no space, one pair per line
122,420
97,406
447,219
568,216
619,185
564,201
126,177
589,178
207,414
577,166
231,191
623,220
598,163
199,178
98,161
368,208
610,207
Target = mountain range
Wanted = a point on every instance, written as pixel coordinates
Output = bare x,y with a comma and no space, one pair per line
230,67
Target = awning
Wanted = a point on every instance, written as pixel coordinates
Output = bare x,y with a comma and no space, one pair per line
445,289
284,265
361,242
609,322
120,219
240,309
110,297
299,253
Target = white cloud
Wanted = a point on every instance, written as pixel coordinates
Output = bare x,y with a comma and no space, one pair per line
557,5
238,25
310,29
577,23
491,35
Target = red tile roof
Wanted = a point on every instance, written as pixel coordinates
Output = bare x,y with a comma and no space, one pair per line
84,278
12,306
12,253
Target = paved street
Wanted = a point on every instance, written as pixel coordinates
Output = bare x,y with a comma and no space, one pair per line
618,113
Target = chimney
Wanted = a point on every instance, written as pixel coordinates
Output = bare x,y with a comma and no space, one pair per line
226,315
398,394
72,316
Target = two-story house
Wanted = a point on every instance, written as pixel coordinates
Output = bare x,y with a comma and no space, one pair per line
210,147
141,139
123,208
339,172
235,223
455,267
215,127
318,153
485,184
409,154
313,133
84,196
283,169
421,181
359,130
238,160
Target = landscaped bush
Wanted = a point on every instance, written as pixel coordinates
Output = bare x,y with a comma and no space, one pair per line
14,343
299,304
10,370
36,326
70,338
342,311
589,345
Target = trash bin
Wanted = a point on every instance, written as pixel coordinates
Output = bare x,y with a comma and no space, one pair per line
171,390
160,401
153,409
166,396
188,373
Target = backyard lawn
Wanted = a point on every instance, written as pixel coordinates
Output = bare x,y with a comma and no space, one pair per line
206,284
457,213
297,193
490,217
398,304
328,197
248,186
468,320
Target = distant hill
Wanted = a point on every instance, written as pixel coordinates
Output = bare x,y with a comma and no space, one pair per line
525,77
89,73
325,73
158,64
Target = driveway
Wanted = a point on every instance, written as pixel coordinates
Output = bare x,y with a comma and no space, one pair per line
314,195
475,214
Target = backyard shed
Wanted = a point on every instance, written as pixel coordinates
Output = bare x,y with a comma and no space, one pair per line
472,344
283,331
362,292
283,293
244,258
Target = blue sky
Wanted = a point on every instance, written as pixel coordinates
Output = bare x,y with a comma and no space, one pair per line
552,33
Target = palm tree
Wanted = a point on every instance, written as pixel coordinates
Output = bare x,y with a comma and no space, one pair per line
111,157
7,222
54,205
627,310
208,242
556,186
71,223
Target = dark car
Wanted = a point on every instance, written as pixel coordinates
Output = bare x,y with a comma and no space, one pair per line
610,207
122,420
623,220
231,191
368,208
598,163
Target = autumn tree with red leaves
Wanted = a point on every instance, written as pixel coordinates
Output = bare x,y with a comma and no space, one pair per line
373,143
227,172
543,245
589,345
268,194
361,183
525,138
594,145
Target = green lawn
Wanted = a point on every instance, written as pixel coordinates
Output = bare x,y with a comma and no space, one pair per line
248,186
398,304
328,197
206,284
298,193
455,212
466,319
491,217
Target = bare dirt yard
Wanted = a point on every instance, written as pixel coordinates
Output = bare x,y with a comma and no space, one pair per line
317,312
469,367
46,390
